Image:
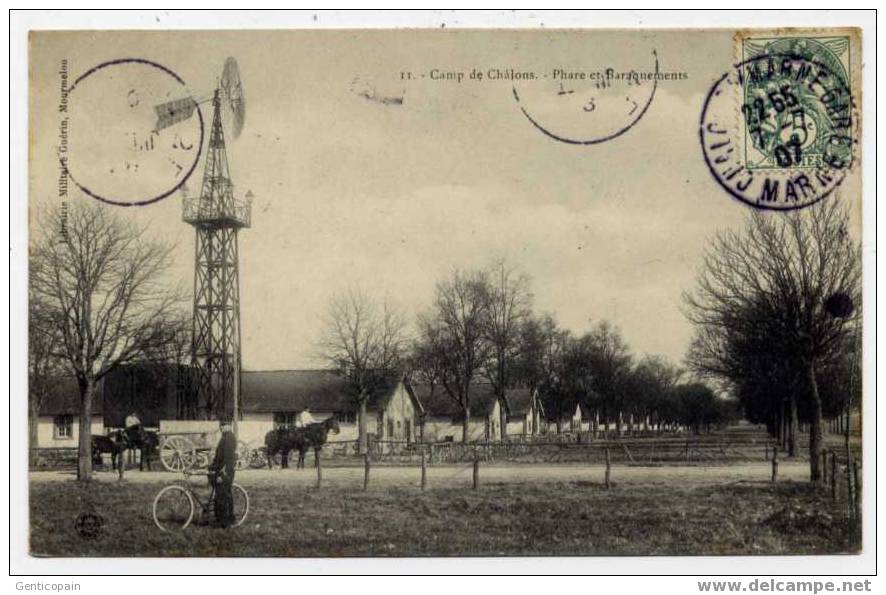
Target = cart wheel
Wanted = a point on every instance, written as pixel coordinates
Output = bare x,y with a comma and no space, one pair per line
177,454
241,504
173,508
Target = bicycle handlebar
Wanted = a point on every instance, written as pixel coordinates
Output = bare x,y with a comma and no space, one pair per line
199,472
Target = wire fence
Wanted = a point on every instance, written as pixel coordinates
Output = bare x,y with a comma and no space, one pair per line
622,451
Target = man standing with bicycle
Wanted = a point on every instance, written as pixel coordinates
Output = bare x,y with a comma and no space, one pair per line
221,475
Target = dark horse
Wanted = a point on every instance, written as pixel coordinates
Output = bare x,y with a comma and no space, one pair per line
106,445
285,440
119,441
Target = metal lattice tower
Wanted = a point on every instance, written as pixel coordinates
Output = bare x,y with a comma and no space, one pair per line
215,344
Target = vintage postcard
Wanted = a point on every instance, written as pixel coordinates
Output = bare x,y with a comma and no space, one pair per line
446,293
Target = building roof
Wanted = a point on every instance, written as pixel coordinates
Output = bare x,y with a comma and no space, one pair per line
151,390
520,401
297,390
437,402
567,407
64,398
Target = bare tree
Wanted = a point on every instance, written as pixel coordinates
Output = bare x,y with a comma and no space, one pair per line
535,352
43,366
509,307
784,268
427,361
364,342
748,360
101,280
610,364
455,335
569,382
654,380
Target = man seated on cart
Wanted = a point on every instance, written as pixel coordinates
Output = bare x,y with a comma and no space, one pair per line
221,475
132,428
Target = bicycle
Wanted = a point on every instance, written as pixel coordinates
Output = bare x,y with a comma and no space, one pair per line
175,505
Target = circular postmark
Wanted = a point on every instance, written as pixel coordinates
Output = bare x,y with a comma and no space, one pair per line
134,132
778,132
89,525
589,107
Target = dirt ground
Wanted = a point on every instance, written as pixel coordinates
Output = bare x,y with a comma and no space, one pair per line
453,476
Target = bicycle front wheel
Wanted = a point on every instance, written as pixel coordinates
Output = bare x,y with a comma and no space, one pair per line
173,508
241,504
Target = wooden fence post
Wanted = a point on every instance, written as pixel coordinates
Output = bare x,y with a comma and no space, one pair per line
856,476
424,470
824,466
834,475
366,471
319,469
850,497
476,472
608,469
774,464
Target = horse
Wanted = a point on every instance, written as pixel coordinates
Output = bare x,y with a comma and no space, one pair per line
314,436
147,443
285,440
106,445
282,441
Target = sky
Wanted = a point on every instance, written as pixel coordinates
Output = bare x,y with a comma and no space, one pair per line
353,188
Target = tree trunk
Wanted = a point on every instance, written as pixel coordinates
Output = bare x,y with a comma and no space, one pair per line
794,427
84,454
618,421
783,425
32,437
815,436
503,415
361,428
465,426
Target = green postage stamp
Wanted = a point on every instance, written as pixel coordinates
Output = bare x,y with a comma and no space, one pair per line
787,124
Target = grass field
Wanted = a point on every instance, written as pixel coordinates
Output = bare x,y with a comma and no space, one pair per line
562,510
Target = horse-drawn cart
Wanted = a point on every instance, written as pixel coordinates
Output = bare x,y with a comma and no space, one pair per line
185,450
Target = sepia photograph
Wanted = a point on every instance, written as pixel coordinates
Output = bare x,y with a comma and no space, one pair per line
446,292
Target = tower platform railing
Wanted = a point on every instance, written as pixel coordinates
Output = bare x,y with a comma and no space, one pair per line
202,211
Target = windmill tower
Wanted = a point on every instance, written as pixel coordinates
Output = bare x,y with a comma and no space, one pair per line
217,218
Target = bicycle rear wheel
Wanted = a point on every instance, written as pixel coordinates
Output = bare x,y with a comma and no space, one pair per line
173,508
241,504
